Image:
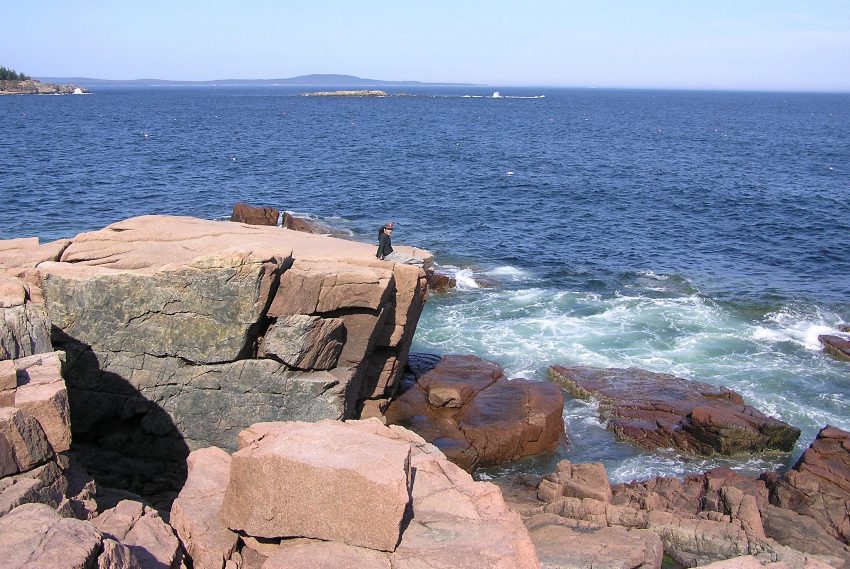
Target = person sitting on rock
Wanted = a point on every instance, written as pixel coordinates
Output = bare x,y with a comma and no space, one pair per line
385,248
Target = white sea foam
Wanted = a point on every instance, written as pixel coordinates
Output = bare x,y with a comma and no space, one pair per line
510,273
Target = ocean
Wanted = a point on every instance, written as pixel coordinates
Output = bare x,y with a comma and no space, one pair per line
701,234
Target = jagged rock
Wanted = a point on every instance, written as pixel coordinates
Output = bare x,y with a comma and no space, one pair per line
116,555
660,411
576,481
818,486
12,291
34,536
566,544
305,342
279,481
41,392
24,331
194,514
804,534
244,213
467,408
441,283
835,346
151,540
299,224
45,484
23,444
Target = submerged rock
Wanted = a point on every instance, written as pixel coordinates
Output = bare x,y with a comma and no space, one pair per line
655,410
476,416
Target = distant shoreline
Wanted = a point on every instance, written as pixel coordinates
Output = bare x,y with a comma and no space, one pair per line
33,87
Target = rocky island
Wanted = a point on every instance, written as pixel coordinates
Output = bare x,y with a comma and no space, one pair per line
14,83
178,392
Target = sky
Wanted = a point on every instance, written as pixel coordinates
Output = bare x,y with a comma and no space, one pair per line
680,44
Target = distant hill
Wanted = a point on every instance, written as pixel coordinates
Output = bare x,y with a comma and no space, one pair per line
315,80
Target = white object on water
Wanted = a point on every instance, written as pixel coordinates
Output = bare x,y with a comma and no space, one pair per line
497,95
78,91
509,173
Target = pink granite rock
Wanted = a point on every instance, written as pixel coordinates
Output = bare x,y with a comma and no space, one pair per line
35,536
316,554
24,443
41,391
244,213
305,342
116,555
140,528
326,480
194,514
8,383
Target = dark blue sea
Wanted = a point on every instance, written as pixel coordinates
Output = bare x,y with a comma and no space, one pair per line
702,234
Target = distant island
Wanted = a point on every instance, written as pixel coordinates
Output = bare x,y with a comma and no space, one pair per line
14,83
361,93
315,80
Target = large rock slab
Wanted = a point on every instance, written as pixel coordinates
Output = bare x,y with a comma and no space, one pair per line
280,483
194,514
34,536
476,416
656,410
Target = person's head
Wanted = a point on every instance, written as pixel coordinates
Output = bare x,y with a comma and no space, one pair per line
388,227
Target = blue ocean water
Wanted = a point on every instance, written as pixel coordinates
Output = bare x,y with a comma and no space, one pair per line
695,233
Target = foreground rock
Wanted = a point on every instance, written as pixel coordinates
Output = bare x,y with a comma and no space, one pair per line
836,346
798,519
656,410
168,322
448,520
476,416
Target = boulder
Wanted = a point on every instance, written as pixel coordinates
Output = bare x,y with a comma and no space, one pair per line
305,342
299,224
656,410
476,416
194,514
441,283
12,291
835,346
34,536
325,481
24,331
244,213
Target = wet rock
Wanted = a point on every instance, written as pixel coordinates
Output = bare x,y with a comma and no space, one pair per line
835,346
244,213
476,416
299,224
441,283
194,514
656,410
280,480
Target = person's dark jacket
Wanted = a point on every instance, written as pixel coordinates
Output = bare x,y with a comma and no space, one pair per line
385,245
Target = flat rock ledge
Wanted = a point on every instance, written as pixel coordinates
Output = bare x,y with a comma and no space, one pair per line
719,519
466,407
655,410
343,494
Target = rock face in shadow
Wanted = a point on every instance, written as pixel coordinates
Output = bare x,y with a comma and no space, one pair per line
835,346
799,519
468,409
656,410
181,332
447,520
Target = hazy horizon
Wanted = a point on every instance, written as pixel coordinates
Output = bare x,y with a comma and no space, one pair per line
783,46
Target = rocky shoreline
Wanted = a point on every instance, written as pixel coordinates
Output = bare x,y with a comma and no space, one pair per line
33,87
180,392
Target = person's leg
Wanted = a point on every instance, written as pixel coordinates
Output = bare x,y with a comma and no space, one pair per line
397,257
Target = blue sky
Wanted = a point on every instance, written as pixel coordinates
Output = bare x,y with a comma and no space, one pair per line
762,45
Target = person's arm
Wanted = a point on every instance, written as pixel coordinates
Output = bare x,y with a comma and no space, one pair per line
382,242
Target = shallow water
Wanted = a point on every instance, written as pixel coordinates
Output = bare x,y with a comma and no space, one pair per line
699,234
